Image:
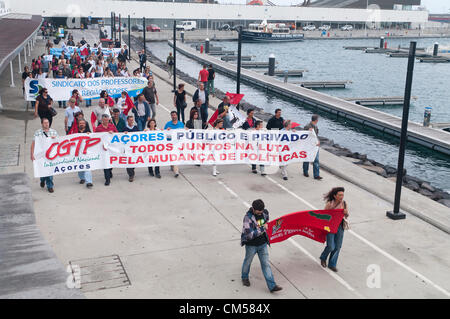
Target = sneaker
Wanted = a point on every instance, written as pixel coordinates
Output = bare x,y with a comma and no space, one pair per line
89,185
254,171
107,183
43,184
285,178
214,174
306,174
318,178
276,288
333,269
50,190
82,181
246,282
158,176
263,174
176,175
131,179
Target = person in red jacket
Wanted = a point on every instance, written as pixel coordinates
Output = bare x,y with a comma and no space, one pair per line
203,76
106,126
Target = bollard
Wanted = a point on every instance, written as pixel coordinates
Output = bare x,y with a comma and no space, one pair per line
271,65
436,49
206,45
182,36
427,116
286,75
381,42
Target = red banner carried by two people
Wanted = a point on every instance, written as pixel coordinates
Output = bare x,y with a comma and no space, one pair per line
314,224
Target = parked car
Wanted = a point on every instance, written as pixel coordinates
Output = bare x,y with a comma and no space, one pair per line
153,28
137,27
236,27
310,27
324,27
187,26
225,27
347,27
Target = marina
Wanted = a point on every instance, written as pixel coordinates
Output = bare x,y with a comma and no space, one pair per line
428,137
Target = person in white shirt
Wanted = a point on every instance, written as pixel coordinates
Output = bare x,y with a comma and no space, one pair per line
121,103
101,109
69,114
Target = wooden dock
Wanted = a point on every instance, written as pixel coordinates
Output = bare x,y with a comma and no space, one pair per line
438,59
228,58
358,48
379,101
323,84
255,65
290,73
224,52
438,140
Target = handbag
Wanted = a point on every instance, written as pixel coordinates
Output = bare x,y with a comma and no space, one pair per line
52,111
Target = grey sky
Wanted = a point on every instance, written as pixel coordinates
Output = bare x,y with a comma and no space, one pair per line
434,6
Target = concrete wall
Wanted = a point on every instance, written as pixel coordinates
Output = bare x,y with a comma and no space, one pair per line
102,8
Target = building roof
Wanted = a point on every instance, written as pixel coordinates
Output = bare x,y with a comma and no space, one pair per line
16,29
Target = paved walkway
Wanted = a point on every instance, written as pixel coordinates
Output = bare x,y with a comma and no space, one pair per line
179,237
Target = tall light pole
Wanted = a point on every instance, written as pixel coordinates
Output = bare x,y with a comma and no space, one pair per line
396,214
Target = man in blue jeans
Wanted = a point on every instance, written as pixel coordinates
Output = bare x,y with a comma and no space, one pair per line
202,95
313,126
44,132
255,239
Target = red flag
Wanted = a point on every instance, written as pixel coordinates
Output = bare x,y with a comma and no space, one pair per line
74,128
234,98
213,117
314,224
129,103
294,124
111,102
93,121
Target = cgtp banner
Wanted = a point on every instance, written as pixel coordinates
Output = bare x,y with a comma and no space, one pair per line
81,152
314,224
61,89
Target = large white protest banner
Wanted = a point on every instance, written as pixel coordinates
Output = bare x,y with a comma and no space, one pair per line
61,89
81,152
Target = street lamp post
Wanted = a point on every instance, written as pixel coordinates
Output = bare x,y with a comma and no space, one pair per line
238,72
174,55
396,214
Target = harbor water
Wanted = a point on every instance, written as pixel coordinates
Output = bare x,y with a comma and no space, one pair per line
373,75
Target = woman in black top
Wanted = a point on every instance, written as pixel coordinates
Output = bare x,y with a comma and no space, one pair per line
43,104
179,101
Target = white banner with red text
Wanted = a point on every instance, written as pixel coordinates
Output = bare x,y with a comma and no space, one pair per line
81,152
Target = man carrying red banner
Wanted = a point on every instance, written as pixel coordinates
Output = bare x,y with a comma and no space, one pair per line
255,239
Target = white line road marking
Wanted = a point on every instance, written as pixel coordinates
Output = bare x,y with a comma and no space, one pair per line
367,242
370,244
307,253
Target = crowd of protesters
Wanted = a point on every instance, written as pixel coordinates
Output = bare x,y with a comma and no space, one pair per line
115,115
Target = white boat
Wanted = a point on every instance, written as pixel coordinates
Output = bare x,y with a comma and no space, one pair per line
270,32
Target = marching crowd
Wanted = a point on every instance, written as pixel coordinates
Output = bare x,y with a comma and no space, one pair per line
125,115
